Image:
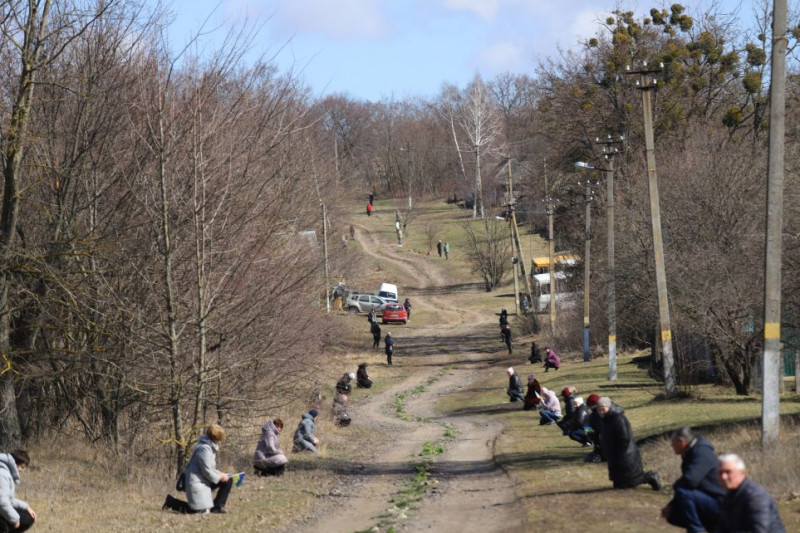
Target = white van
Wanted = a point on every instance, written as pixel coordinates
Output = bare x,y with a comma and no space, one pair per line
388,291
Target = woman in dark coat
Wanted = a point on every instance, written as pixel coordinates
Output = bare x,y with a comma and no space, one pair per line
388,343
362,378
343,385
533,398
622,454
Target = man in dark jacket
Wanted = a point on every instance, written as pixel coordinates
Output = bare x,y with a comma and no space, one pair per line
747,506
515,390
388,343
506,334
622,454
407,307
375,329
573,427
695,505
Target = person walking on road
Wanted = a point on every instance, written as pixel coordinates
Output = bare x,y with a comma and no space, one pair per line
407,307
369,209
447,250
439,248
388,343
507,337
375,329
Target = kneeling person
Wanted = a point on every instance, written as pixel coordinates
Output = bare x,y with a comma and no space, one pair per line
269,459
16,514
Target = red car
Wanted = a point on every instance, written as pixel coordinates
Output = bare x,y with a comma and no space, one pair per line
394,313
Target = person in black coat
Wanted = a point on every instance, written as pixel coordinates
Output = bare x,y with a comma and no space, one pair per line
573,427
622,454
343,385
407,307
533,398
536,356
698,493
375,329
388,343
362,378
503,319
507,337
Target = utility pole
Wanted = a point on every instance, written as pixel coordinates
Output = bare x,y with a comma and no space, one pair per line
325,251
609,151
551,251
515,236
770,395
646,85
588,197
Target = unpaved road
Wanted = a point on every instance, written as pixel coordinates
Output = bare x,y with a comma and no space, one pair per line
471,493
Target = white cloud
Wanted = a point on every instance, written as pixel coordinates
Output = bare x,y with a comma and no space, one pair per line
339,19
502,57
486,9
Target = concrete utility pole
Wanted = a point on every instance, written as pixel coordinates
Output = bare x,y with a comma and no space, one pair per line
646,85
609,151
410,168
588,198
770,398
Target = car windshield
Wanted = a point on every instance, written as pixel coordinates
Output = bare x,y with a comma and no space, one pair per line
394,307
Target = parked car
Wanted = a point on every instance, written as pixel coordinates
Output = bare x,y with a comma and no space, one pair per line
394,312
359,302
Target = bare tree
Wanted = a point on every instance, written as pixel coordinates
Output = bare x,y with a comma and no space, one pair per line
480,122
488,249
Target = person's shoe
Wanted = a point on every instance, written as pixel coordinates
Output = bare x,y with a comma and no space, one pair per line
653,479
219,510
587,444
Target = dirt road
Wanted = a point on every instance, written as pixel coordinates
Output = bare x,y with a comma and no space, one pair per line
465,484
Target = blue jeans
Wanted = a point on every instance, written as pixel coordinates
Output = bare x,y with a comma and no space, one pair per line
578,435
546,416
694,510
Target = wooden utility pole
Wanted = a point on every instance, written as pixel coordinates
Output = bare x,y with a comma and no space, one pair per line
770,397
325,252
515,237
587,238
647,85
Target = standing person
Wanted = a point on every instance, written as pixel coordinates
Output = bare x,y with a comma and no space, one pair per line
551,413
507,337
371,317
573,426
503,318
536,356
362,378
369,209
203,478
372,197
515,390
439,247
551,360
16,514
304,438
533,398
388,343
269,459
375,329
447,250
747,506
697,494
624,462
407,307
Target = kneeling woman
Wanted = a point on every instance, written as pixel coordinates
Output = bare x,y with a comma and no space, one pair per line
269,459
202,477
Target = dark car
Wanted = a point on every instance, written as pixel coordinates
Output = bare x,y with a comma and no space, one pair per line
394,313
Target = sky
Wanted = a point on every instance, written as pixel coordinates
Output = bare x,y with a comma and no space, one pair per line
395,49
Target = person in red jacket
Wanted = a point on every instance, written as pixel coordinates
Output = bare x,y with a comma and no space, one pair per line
369,209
